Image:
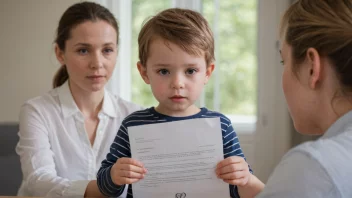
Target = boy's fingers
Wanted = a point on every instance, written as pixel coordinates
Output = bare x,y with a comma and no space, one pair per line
132,168
130,175
230,160
233,175
231,168
130,161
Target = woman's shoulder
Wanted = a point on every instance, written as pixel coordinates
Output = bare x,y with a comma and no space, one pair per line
329,152
46,100
45,107
328,156
300,174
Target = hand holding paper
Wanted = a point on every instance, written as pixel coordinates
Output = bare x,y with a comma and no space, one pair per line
127,171
233,170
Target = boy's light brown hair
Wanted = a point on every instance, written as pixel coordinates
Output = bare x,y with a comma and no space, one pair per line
186,28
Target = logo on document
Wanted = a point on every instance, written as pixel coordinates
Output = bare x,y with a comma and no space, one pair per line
180,195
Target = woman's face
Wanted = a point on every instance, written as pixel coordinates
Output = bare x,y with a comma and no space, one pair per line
303,102
90,55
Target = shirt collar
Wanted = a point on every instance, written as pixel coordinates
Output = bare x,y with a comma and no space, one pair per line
340,125
69,107
108,105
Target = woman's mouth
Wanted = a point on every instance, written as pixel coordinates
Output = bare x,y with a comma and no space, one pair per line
96,78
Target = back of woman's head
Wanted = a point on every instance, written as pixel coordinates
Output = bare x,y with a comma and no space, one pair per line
72,17
325,25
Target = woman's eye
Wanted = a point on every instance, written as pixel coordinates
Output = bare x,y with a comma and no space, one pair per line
83,51
108,50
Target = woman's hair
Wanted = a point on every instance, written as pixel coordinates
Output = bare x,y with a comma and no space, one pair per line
325,25
72,17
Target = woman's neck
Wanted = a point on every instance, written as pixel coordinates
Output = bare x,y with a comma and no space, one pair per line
89,103
339,107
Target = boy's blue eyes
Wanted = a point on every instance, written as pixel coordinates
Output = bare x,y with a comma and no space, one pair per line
191,71
165,71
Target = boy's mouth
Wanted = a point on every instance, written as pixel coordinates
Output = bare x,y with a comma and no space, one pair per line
177,98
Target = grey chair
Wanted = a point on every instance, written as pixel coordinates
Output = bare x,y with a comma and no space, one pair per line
10,167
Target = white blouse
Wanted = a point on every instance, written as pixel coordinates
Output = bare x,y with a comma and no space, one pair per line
320,168
57,158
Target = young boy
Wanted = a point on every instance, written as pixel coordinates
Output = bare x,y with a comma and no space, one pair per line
176,52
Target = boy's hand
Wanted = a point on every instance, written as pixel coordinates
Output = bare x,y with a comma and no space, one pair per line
127,171
233,170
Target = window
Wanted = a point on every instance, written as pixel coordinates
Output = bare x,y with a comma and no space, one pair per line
232,90
141,10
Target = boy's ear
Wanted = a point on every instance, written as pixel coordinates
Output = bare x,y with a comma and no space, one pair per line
59,55
143,72
209,71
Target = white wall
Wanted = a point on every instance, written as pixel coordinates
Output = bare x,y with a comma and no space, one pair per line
27,59
273,134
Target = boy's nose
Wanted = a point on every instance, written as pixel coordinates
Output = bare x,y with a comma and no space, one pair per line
177,83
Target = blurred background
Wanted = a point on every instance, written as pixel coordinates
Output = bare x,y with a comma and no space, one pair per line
246,85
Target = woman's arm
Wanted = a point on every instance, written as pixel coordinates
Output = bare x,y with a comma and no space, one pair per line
37,162
92,190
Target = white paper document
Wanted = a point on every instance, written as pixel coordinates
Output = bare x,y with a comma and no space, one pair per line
180,157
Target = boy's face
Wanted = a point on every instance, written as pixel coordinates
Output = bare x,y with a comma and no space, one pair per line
176,77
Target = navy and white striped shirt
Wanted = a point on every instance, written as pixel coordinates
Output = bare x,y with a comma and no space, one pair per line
121,146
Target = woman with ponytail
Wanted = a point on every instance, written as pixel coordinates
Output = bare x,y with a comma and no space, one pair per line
66,133
316,53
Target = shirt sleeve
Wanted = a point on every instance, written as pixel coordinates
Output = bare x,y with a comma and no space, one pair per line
37,162
119,148
299,175
232,147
